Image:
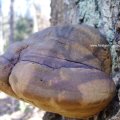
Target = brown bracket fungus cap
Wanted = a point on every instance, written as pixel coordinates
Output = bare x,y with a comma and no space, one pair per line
62,69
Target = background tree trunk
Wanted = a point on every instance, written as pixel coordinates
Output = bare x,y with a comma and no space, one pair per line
11,38
101,14
1,29
1,37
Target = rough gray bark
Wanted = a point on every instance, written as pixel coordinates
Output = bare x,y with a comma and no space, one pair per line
104,15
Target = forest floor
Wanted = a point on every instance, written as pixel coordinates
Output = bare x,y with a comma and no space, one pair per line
12,109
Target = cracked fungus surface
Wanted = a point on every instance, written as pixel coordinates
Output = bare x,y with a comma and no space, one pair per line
58,70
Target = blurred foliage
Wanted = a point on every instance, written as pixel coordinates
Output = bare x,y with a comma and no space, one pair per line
23,28
6,45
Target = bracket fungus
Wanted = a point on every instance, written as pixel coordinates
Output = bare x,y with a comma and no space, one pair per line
62,69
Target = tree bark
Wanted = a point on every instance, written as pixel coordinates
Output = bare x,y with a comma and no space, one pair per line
101,14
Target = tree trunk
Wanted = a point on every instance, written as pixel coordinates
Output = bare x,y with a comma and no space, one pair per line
1,21
11,38
1,30
101,14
